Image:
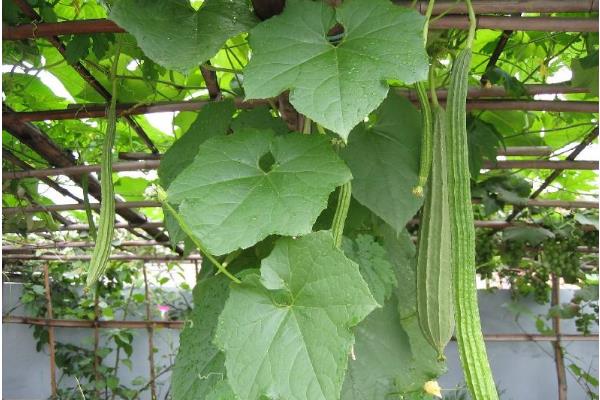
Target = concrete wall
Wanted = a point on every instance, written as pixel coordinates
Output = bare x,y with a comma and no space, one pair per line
523,370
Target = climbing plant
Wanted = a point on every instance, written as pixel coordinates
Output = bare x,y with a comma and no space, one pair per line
299,183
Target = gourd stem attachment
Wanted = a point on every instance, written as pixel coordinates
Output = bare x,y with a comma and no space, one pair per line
426,139
162,197
472,23
341,212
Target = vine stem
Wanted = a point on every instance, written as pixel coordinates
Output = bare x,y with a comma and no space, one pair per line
162,197
472,23
427,18
341,212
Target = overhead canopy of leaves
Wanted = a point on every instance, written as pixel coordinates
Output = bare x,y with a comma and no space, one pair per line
383,157
243,187
305,300
336,85
178,37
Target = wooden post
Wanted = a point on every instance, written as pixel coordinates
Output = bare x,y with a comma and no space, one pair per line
561,374
150,329
51,339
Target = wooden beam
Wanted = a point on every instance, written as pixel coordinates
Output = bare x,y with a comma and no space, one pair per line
75,245
154,204
525,151
80,111
70,323
53,30
506,6
542,164
154,164
88,257
509,151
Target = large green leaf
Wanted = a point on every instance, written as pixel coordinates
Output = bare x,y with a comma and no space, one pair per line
199,368
178,37
374,265
335,85
391,357
213,120
384,160
286,333
243,187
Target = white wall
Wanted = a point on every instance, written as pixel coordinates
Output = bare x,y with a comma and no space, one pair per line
523,370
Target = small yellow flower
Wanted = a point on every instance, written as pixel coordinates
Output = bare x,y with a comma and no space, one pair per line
433,388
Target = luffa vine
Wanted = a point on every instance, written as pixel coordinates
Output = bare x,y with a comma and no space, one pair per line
254,199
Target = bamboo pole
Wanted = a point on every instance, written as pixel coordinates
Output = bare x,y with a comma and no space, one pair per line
73,323
508,151
142,243
506,6
150,330
65,323
91,26
525,151
76,244
51,337
540,24
79,111
153,204
87,257
493,224
85,227
561,374
542,164
154,164
74,207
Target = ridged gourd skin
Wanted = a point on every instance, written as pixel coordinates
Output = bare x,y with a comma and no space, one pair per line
106,222
435,302
471,346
